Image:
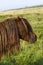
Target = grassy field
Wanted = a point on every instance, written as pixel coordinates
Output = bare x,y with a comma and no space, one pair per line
30,54
23,11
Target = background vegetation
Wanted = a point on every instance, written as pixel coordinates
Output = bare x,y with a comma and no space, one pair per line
30,54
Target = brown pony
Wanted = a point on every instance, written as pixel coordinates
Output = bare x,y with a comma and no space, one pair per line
11,31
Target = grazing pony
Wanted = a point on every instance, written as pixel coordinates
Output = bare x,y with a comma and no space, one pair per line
11,31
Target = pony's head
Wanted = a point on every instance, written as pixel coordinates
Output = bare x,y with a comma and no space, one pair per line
25,30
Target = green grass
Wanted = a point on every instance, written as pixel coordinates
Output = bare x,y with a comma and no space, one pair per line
30,54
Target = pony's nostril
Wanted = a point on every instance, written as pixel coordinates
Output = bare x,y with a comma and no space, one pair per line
34,39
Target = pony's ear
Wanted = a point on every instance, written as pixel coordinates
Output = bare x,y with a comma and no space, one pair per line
18,18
